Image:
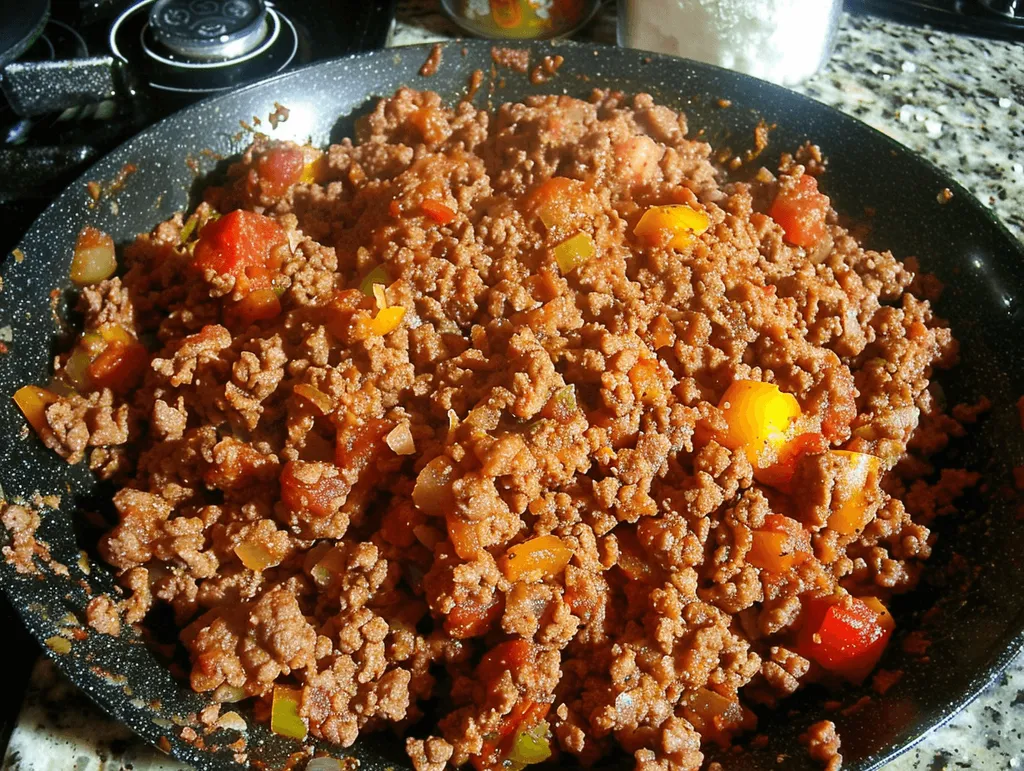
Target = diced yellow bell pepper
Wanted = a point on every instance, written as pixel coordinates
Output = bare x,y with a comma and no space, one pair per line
861,475
759,415
545,555
33,401
284,713
679,220
313,170
255,557
575,251
387,320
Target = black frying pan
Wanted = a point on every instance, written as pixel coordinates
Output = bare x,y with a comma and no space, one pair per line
978,622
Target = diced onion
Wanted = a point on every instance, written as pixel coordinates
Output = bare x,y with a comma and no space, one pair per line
400,440
316,397
324,764
94,259
255,557
232,721
229,694
433,491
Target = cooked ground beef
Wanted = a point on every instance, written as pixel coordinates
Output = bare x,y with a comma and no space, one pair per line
436,403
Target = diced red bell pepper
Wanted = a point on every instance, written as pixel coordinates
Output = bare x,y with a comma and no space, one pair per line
119,367
437,211
504,657
472,619
800,211
241,244
846,637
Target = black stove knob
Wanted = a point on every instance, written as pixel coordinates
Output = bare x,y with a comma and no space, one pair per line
209,30
1009,8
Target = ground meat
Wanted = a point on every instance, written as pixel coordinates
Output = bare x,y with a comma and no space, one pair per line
823,744
433,61
456,426
516,59
21,523
102,615
429,754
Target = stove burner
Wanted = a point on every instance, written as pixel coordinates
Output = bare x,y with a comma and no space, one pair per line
22,23
1010,8
208,30
259,46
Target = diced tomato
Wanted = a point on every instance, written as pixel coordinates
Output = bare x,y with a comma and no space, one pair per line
780,545
471,619
846,637
800,211
241,244
317,496
360,452
119,367
357,449
280,168
780,474
259,305
524,715
437,211
557,201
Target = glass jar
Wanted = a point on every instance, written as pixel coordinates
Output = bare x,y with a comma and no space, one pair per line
520,19
784,41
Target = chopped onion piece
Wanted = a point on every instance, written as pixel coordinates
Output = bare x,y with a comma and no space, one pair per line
433,491
94,258
232,721
324,764
400,440
229,694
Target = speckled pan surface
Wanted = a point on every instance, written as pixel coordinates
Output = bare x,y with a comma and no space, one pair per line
978,621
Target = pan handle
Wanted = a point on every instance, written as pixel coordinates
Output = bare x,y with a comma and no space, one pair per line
37,88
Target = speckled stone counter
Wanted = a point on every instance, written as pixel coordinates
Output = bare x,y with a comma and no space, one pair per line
957,101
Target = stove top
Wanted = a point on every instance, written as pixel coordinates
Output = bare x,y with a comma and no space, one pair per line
1002,19
79,78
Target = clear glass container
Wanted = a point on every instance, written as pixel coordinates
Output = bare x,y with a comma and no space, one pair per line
784,41
520,19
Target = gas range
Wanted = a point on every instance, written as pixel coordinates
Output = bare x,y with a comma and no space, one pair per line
80,77
990,18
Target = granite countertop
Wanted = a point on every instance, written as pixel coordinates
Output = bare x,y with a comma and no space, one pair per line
957,101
